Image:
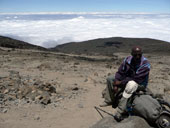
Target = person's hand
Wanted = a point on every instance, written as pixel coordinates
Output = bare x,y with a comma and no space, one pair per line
117,83
115,89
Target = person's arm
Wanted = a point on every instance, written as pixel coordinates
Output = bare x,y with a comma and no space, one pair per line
121,74
125,81
142,72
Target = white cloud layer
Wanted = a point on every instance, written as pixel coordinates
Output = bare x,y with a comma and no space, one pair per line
51,32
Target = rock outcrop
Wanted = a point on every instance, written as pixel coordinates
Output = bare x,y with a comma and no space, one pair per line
16,89
130,122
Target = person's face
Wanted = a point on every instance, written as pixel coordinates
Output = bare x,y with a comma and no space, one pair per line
137,56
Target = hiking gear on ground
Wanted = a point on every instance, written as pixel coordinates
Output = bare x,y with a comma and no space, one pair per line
147,107
163,102
164,120
99,109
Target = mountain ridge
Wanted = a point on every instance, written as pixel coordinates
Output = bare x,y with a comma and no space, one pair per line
100,46
14,43
108,46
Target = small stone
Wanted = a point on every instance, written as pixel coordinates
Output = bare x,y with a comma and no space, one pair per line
5,110
38,97
6,91
167,89
55,105
86,80
25,115
76,63
36,118
33,91
46,100
108,74
75,88
96,74
108,66
80,106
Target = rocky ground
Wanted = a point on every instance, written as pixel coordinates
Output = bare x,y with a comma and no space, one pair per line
131,122
55,90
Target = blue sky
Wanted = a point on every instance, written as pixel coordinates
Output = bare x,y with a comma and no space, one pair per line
150,6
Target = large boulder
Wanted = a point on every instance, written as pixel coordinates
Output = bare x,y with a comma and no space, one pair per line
130,122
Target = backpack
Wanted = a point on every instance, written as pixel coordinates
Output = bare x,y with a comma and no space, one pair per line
147,107
163,120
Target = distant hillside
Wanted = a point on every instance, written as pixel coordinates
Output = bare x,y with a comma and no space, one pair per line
13,43
108,46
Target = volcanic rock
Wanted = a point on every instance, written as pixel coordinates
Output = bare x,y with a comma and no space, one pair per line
131,122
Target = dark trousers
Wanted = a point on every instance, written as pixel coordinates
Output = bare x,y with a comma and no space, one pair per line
108,93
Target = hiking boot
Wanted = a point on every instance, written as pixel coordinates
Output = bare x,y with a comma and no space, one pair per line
118,117
104,104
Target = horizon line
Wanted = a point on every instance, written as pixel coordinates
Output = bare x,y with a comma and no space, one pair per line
28,13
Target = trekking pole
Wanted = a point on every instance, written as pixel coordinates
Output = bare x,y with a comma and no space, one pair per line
162,101
97,109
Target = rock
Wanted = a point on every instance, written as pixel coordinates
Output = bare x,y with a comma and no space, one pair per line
76,63
167,89
39,97
66,61
96,74
108,66
2,95
75,89
24,88
80,105
44,66
131,122
45,99
14,74
50,88
86,80
4,110
36,118
109,74
6,91
11,98
167,98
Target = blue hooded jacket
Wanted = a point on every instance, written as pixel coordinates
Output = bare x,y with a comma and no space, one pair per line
140,75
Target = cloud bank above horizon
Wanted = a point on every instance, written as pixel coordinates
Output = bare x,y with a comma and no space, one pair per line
49,30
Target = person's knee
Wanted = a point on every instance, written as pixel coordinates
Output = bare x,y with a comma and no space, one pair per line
110,78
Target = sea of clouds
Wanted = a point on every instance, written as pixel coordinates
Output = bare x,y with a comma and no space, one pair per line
49,30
